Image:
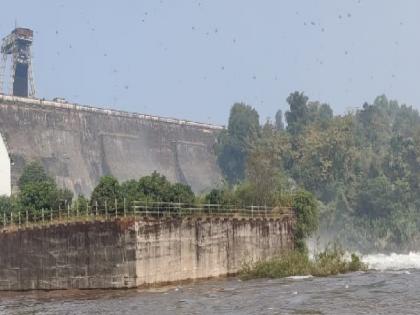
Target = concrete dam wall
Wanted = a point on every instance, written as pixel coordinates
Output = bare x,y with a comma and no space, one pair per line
130,253
79,144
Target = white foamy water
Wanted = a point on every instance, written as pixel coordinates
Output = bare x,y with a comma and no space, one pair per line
393,261
299,277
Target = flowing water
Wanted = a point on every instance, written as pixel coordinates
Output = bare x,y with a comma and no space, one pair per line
392,288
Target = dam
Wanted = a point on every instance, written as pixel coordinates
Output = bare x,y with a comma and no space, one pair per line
78,144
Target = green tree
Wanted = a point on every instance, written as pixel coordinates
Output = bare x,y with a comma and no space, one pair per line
307,217
235,142
244,124
33,173
39,195
279,120
231,158
181,193
320,114
131,191
298,115
106,193
224,196
264,165
39,191
155,187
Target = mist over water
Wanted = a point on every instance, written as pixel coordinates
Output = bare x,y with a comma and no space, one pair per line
393,261
375,261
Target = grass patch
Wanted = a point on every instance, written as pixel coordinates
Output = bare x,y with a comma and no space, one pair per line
332,261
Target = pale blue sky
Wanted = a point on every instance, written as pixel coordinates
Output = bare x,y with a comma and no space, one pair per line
194,59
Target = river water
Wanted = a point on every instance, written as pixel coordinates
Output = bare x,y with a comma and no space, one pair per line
393,287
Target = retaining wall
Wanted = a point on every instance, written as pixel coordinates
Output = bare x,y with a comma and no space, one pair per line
130,253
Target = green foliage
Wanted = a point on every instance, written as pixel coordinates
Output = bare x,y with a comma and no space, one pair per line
40,195
244,124
106,192
264,169
155,187
235,142
81,203
298,115
331,261
307,215
279,120
131,191
289,264
151,188
39,191
223,196
181,193
33,173
363,167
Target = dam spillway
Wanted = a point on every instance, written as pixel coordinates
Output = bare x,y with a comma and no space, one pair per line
78,144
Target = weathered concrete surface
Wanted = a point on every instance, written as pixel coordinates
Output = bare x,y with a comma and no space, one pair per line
79,144
129,253
203,248
92,255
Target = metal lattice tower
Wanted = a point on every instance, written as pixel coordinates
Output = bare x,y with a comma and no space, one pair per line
18,45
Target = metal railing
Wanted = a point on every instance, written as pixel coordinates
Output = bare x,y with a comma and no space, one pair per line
135,209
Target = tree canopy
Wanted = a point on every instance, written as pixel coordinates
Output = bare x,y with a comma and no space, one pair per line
363,167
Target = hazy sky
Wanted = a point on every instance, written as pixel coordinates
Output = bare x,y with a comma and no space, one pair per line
194,59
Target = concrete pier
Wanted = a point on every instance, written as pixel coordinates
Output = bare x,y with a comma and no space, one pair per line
127,253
